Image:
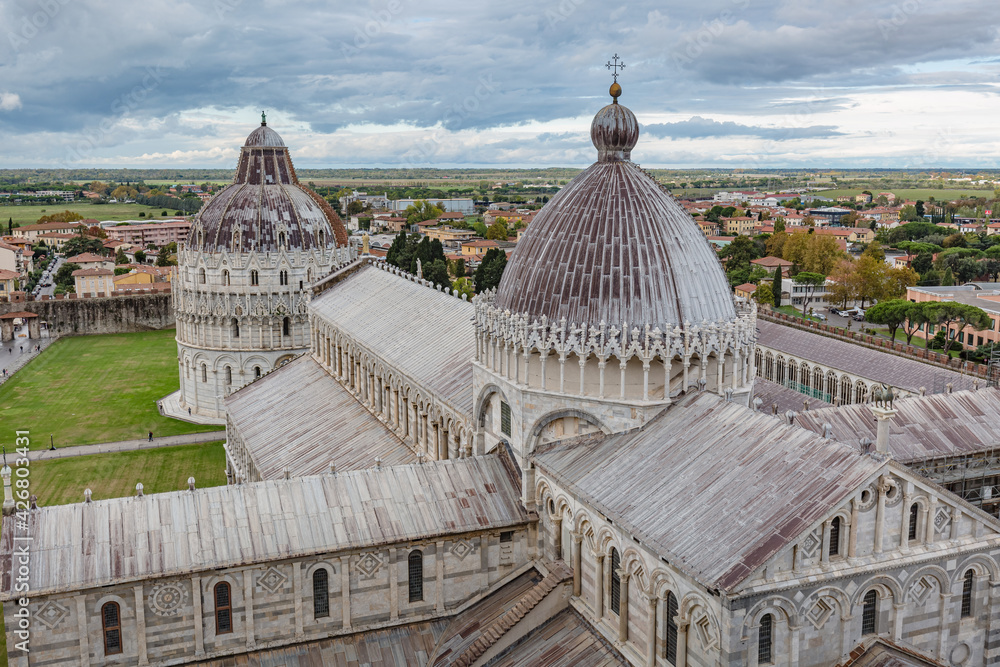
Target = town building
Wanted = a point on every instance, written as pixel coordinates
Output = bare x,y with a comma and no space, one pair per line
981,295
772,264
157,234
459,205
8,282
94,282
89,260
32,232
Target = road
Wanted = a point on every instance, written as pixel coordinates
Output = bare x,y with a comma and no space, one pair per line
49,291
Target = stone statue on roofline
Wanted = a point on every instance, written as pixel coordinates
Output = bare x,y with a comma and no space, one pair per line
883,396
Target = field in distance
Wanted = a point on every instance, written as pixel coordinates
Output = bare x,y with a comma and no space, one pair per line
911,193
91,389
29,215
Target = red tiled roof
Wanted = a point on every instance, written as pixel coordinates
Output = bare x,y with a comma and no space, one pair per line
93,272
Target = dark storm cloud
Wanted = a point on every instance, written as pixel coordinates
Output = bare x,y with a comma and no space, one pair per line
108,74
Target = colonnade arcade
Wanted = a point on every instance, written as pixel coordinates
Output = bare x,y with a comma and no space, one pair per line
429,426
814,380
650,611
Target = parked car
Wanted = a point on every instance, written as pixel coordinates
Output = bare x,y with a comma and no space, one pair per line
835,310
859,317
821,317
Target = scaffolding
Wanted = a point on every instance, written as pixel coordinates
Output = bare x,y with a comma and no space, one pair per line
973,477
993,367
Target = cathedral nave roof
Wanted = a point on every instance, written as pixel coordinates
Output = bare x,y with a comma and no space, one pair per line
712,486
425,334
316,421
86,545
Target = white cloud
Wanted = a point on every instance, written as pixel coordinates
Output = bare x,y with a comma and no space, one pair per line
9,101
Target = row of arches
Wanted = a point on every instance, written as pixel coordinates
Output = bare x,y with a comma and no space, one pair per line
640,600
245,332
828,385
425,423
656,378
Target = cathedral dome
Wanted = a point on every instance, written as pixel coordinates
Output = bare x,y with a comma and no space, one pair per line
614,247
266,209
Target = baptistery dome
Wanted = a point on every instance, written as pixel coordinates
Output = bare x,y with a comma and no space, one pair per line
613,246
265,208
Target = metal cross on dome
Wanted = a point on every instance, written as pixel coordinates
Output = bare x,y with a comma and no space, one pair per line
614,66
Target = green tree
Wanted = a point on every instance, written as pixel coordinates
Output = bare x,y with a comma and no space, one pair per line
64,276
776,288
81,244
398,244
810,281
892,313
10,226
140,256
120,257
951,313
917,315
490,269
779,225
458,268
480,228
463,286
739,252
948,279
497,231
437,272
923,262
163,257
763,294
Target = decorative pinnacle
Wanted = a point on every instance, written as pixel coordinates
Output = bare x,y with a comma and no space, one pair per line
263,116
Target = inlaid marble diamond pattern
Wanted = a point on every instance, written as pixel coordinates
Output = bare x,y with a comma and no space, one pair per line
51,614
921,589
272,580
942,519
819,613
810,544
369,564
461,549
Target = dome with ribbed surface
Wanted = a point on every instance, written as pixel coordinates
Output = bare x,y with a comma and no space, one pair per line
613,246
266,209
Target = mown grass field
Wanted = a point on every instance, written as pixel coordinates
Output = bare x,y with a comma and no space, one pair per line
911,193
63,481
29,215
90,389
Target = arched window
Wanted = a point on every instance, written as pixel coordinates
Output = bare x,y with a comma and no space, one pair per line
256,372
111,623
321,594
309,275
321,238
835,536
869,613
223,609
236,328
764,632
301,285
225,277
283,277
281,239
671,639
286,327
967,593
616,582
914,511
201,276
229,375
204,373
415,564
254,277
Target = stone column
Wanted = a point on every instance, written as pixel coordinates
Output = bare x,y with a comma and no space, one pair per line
297,598
81,628
852,540
793,631
140,624
682,639
651,634
623,606
897,631
248,608
577,574
930,534
392,568
199,617
599,587
345,590
439,563
824,554
883,485
956,516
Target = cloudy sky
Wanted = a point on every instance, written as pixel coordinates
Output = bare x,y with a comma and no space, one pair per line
714,83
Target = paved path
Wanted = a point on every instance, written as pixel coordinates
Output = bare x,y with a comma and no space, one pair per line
14,354
125,445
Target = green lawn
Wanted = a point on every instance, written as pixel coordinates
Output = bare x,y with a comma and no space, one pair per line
909,193
88,389
795,312
29,215
63,481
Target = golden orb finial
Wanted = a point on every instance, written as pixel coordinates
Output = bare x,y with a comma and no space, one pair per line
616,91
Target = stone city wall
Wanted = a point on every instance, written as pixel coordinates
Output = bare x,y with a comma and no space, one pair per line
120,314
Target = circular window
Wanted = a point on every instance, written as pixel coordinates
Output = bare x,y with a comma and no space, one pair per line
866,496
